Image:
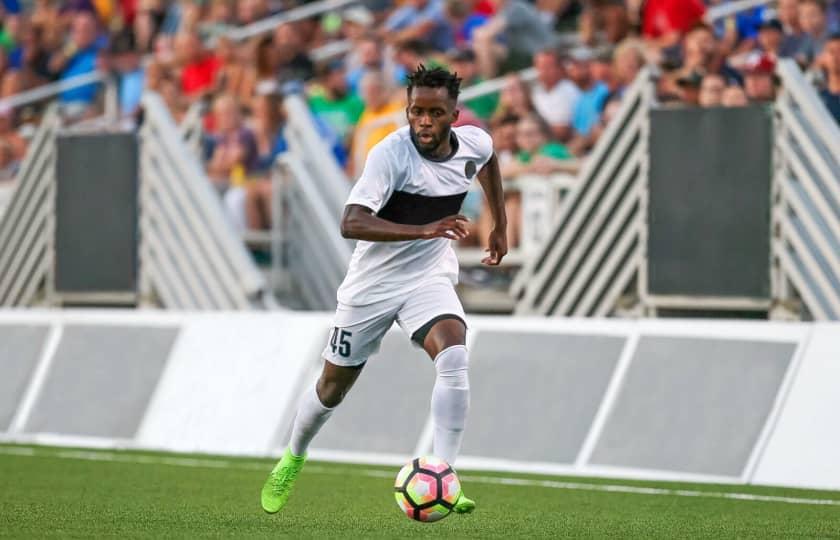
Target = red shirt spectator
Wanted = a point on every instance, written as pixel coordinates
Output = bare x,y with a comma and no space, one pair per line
198,66
200,75
663,17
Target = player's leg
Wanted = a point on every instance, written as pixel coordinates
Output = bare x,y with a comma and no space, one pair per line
434,318
444,340
349,346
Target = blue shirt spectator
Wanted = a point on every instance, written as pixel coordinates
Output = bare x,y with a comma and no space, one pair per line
82,62
588,109
438,34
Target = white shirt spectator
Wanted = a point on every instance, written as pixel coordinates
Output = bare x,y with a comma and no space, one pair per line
556,105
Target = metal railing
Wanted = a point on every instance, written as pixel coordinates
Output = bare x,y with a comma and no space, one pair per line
721,11
806,195
596,246
27,226
310,257
190,257
299,13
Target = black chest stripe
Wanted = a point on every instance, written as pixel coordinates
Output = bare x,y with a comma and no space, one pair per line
413,209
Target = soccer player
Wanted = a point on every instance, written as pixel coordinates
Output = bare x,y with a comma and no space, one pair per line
403,210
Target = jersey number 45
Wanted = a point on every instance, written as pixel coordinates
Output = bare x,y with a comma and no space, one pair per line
338,342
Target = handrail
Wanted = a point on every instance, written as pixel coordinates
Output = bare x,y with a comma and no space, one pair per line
809,102
270,23
721,11
806,210
188,251
566,277
52,89
27,225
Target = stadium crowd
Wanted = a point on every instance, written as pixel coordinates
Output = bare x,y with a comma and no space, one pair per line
585,54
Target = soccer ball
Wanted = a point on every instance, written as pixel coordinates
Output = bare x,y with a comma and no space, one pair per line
427,488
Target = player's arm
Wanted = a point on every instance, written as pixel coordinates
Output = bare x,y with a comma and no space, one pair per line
491,182
360,223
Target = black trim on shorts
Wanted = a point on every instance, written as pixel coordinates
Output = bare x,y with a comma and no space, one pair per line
358,366
420,335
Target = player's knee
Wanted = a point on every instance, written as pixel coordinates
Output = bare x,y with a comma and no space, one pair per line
331,392
452,365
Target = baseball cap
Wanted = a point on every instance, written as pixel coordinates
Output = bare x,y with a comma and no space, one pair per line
461,55
760,64
690,79
358,14
775,24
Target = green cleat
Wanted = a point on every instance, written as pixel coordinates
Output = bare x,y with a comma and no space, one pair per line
278,487
464,505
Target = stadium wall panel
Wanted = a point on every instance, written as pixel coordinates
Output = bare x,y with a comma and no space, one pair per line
20,348
730,401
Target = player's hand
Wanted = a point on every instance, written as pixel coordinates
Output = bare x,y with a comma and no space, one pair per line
452,227
498,248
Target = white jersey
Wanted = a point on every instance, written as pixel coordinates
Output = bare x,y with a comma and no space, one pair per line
402,186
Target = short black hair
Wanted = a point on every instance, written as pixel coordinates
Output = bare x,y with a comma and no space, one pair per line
434,78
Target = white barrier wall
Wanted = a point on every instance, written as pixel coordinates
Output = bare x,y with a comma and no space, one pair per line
718,401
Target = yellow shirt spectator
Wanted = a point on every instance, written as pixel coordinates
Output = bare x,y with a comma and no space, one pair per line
367,136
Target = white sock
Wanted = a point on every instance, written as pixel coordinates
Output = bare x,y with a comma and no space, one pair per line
311,415
450,401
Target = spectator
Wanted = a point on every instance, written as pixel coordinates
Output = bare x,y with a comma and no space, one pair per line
554,96
249,204
611,16
814,22
333,102
78,57
234,152
369,57
29,58
220,19
130,76
378,106
666,21
10,138
463,20
265,68
795,43
711,91
537,153
170,92
420,19
510,39
357,22
514,100
628,60
233,76
734,96
830,63
463,62
410,54
267,122
593,95
689,87
293,62
249,11
198,66
759,79
503,130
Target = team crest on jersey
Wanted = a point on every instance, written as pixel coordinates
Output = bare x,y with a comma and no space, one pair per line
469,169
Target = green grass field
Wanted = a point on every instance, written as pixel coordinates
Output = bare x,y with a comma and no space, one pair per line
50,492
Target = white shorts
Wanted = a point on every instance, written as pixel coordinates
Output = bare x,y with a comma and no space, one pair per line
358,330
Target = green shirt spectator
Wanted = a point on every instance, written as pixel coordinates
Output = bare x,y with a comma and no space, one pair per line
551,149
334,103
